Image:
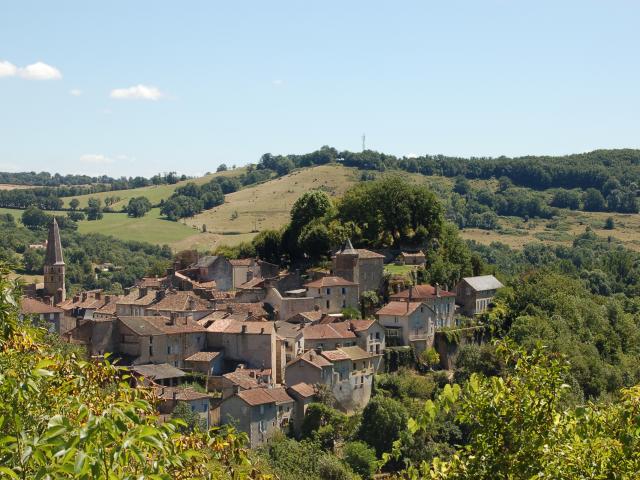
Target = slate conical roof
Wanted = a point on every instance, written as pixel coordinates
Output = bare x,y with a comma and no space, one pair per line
348,248
54,246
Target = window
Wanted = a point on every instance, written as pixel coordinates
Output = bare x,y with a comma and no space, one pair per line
168,349
151,340
344,303
328,291
151,350
344,291
354,366
328,304
377,335
261,409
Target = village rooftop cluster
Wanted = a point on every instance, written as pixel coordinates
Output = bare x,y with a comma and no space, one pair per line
263,342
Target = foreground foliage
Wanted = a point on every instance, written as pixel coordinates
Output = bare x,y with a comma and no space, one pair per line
518,427
63,417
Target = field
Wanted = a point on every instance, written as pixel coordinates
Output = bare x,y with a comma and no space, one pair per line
267,205
150,228
8,186
154,193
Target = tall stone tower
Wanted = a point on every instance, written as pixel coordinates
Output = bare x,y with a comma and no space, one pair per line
345,263
54,267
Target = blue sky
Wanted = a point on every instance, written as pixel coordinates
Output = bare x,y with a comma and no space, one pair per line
128,88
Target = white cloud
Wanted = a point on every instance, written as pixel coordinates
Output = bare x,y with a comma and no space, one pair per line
137,92
412,155
96,159
76,92
40,71
35,71
7,69
278,82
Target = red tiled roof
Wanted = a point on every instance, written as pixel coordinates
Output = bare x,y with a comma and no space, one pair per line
399,309
31,306
180,301
361,325
335,355
279,394
330,282
228,325
313,358
202,357
305,390
181,393
158,325
326,331
421,292
256,396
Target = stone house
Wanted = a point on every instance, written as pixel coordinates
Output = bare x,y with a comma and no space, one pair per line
83,306
246,269
347,371
303,394
170,397
136,302
259,412
156,339
475,294
442,302
47,314
360,266
328,336
310,367
408,323
207,363
244,379
285,307
414,258
215,268
250,343
333,294
293,338
180,303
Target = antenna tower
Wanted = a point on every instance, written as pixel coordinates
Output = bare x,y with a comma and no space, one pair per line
363,142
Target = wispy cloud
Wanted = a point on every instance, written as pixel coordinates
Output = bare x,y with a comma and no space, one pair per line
278,82
412,155
137,92
76,92
34,71
96,159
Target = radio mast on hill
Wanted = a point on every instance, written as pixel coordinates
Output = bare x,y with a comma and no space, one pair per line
363,142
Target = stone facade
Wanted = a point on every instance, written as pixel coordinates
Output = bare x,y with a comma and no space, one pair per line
360,266
333,294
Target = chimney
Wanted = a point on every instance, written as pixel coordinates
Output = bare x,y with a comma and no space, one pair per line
252,374
192,303
316,308
172,318
173,395
229,309
244,329
249,275
107,299
98,295
318,350
76,298
437,290
262,330
84,296
127,290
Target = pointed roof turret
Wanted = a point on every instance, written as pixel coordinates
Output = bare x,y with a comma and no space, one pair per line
348,248
54,246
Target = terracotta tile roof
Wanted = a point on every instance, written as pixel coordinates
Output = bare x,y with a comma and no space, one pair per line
305,390
399,309
150,282
363,253
179,393
330,282
178,301
109,308
354,353
279,394
329,331
335,355
134,298
313,358
312,316
421,292
202,357
158,325
31,306
242,380
361,325
242,262
228,325
159,371
288,330
256,396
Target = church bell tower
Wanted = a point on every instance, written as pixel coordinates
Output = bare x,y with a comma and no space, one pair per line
54,267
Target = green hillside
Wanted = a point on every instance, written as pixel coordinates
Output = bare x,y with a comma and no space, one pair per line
155,193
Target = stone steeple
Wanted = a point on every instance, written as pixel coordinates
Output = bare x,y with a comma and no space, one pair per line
54,267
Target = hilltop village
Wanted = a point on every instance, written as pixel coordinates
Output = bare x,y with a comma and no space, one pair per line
263,343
